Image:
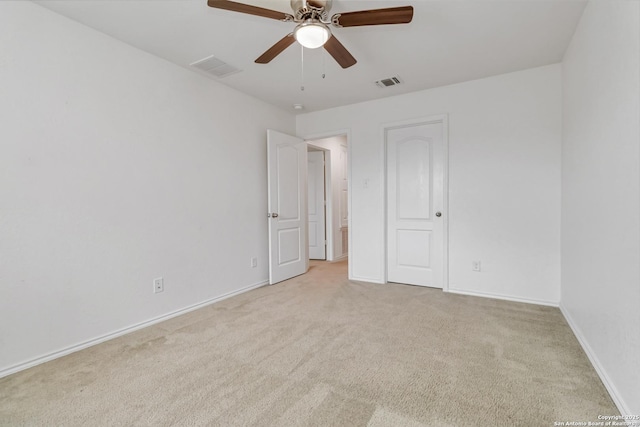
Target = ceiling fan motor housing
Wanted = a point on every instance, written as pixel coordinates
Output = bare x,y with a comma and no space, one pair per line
311,9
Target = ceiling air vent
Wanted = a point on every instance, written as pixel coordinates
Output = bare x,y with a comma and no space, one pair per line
391,81
214,66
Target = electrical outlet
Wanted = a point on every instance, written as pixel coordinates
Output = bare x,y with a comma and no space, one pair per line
254,262
158,285
475,265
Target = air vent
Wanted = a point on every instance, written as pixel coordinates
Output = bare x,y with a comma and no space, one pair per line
215,66
391,81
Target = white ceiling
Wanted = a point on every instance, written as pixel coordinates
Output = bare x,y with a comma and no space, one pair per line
449,41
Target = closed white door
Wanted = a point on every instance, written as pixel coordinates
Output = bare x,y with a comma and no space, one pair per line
317,240
287,196
415,204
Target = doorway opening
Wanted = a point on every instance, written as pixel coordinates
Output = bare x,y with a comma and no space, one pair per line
328,182
287,196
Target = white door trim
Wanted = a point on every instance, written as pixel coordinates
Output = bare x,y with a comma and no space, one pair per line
444,120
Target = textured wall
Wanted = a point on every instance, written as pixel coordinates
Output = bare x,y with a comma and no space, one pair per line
601,193
117,167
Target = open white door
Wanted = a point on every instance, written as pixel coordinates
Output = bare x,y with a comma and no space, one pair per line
287,196
317,238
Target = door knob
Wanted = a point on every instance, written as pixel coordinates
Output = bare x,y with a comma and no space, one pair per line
438,214
274,215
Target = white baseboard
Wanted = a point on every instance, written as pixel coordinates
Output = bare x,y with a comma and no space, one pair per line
503,297
613,391
367,279
72,349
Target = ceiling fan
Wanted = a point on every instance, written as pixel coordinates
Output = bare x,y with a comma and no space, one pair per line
313,30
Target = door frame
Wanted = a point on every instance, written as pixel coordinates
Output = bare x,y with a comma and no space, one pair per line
444,120
347,134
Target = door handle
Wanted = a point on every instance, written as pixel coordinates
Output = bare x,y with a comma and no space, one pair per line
438,214
274,215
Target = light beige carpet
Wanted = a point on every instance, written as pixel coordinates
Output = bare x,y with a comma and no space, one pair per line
320,350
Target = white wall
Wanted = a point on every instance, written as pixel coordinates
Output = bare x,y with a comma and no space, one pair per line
504,180
117,167
601,193
336,203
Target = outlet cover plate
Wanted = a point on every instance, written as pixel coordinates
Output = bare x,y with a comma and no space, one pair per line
158,285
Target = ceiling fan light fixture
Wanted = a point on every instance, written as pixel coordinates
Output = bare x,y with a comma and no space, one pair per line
312,34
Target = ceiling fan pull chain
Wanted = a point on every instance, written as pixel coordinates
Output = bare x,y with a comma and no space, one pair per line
324,63
302,68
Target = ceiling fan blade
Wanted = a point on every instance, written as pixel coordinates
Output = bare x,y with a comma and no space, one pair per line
276,49
392,15
339,52
251,10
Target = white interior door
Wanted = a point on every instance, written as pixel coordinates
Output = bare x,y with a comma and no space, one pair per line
287,195
415,204
317,239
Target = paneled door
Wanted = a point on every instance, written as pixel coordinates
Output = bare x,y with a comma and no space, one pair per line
415,204
317,238
287,198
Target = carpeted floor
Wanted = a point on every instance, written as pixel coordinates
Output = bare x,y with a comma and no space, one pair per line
320,350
